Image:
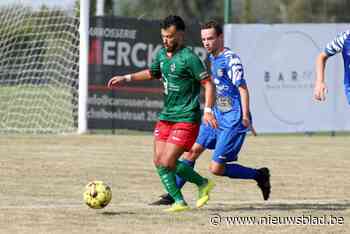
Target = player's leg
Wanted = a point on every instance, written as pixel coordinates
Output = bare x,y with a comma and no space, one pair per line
161,134
206,140
263,181
166,165
184,135
234,170
189,159
167,199
228,146
204,185
167,176
170,160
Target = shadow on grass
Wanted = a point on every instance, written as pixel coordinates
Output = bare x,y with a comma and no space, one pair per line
331,206
113,213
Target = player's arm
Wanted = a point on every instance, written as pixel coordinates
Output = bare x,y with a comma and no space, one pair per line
236,74
141,75
147,74
244,92
198,70
208,116
320,89
332,48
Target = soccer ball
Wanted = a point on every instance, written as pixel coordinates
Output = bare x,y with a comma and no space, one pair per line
97,194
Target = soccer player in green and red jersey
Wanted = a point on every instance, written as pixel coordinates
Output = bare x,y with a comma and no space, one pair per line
182,74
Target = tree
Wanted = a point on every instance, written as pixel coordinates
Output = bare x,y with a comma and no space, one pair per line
191,11
243,11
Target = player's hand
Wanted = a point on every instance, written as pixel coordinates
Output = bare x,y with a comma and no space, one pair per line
252,129
320,91
116,80
209,118
246,123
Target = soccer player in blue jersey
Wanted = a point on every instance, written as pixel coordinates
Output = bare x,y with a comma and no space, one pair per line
232,113
341,44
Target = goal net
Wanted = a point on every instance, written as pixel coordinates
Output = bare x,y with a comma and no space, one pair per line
39,68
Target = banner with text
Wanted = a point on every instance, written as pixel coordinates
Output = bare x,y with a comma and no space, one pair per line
119,46
279,62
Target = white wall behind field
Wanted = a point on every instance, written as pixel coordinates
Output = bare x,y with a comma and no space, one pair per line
279,63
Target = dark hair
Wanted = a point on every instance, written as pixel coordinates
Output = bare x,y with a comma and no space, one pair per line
175,20
213,24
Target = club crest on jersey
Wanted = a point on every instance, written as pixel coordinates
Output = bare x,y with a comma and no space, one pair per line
219,72
172,67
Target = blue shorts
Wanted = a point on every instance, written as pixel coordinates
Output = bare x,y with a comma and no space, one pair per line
226,143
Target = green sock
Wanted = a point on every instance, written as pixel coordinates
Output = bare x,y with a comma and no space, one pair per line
189,174
168,179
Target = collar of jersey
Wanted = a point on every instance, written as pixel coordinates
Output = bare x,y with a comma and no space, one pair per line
221,53
176,52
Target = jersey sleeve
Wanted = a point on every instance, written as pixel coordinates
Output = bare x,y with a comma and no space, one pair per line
235,71
155,67
337,44
197,68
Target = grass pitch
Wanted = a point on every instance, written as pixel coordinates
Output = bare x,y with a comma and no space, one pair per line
43,177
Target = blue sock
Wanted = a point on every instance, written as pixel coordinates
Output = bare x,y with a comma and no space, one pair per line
240,172
179,180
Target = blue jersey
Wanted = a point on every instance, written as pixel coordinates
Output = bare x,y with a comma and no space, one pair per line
228,74
227,140
341,44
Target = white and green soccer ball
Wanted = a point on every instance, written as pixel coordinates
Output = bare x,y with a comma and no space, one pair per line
97,194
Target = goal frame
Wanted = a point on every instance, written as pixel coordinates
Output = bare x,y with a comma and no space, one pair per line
83,66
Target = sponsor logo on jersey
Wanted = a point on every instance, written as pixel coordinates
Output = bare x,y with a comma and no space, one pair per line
156,132
172,67
219,72
176,138
221,88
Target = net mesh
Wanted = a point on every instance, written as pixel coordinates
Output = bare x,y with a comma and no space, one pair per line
39,57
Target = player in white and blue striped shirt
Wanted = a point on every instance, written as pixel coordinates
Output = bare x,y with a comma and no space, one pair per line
341,44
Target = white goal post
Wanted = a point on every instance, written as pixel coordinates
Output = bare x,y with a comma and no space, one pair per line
83,65
43,67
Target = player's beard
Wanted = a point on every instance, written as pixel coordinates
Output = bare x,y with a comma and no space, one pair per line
172,48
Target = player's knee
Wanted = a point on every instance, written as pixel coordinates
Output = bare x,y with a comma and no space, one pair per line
194,153
157,159
170,164
216,170
156,162
190,156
